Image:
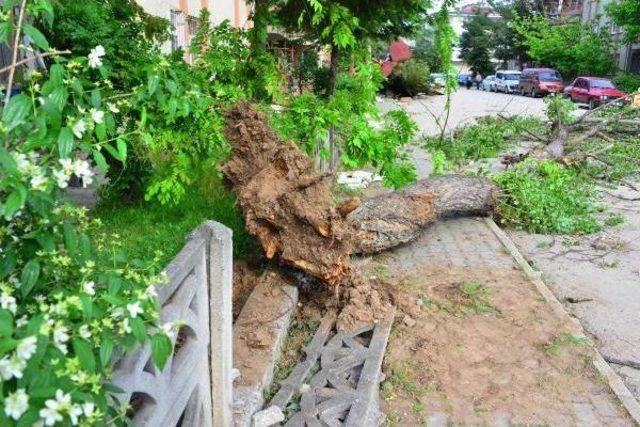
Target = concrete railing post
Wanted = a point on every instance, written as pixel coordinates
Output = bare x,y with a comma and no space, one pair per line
220,278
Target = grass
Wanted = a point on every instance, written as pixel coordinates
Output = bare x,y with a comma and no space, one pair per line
399,381
148,228
564,340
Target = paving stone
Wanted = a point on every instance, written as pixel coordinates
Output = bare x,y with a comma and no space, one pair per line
585,415
604,406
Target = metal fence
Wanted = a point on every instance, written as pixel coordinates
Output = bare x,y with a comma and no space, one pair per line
195,387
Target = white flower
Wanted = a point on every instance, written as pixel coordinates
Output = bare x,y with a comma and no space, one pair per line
88,408
134,309
89,288
27,348
79,128
96,115
16,404
113,108
11,367
22,321
82,169
23,163
168,329
39,182
125,326
62,178
60,337
51,414
95,56
84,332
7,302
74,412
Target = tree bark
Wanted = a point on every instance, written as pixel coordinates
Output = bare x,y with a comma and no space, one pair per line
392,219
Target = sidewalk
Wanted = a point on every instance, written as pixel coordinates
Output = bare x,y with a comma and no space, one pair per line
477,344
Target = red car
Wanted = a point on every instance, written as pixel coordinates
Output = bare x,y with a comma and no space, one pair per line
594,91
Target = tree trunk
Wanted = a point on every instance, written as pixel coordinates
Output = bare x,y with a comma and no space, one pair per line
392,219
331,86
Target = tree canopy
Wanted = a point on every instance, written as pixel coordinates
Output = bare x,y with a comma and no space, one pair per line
476,45
626,14
572,48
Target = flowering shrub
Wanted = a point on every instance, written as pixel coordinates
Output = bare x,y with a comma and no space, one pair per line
66,310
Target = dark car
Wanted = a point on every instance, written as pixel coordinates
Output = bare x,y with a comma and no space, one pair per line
594,91
462,78
540,81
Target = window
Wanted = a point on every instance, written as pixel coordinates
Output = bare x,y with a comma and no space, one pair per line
602,84
177,37
549,75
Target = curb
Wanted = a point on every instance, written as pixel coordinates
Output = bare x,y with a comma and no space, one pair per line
616,384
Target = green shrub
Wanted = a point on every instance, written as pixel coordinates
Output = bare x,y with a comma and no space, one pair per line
413,76
628,82
546,197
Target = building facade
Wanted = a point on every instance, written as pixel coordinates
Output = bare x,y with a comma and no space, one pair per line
183,15
627,55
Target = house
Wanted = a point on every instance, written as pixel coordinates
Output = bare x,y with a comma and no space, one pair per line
183,15
627,55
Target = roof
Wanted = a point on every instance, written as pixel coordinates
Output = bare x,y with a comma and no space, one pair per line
594,78
399,51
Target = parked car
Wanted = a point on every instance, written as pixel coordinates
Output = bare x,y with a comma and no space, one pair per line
594,91
489,83
437,79
540,81
462,78
508,81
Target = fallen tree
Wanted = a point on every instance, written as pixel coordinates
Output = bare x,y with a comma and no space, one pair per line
391,219
289,208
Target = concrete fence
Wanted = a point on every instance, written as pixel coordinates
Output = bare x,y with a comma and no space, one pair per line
195,387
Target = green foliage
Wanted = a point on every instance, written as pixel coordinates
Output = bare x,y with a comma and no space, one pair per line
364,137
559,110
626,14
546,197
622,158
120,26
629,83
413,76
68,303
481,140
426,49
573,48
476,44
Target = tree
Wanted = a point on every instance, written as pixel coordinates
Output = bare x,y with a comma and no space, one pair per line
476,44
122,27
571,47
626,14
427,49
507,42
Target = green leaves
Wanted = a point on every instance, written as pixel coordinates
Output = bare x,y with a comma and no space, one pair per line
15,201
16,111
65,142
98,157
36,36
161,349
29,277
5,30
84,352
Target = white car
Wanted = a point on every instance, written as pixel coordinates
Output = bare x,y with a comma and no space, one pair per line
489,83
508,81
437,79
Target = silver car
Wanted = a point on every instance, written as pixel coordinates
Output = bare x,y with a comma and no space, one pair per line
508,81
489,83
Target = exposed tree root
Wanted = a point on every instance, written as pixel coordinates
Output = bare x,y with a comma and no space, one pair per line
289,208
